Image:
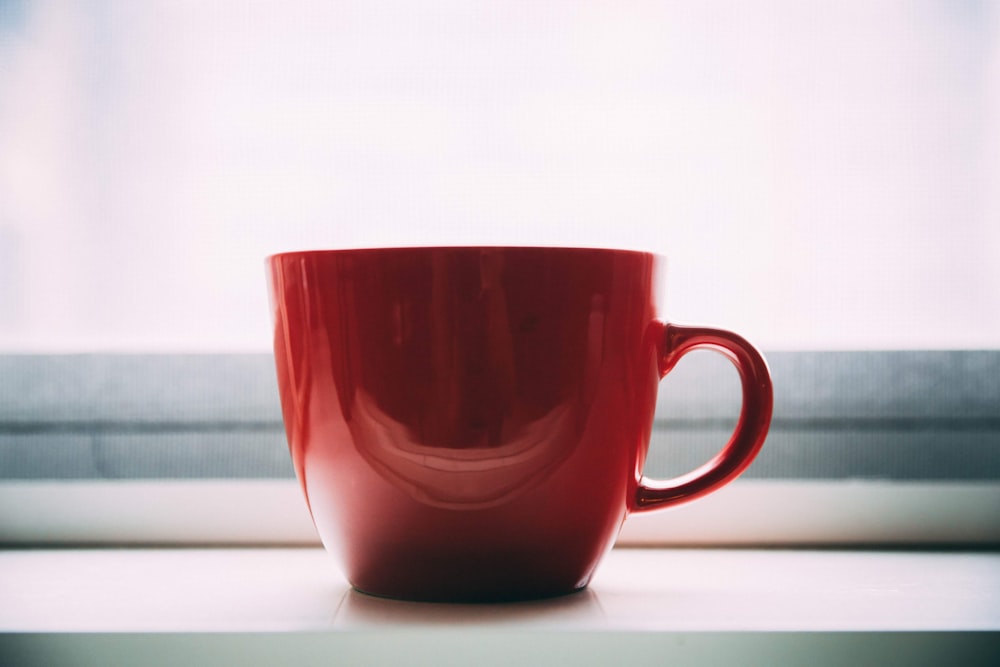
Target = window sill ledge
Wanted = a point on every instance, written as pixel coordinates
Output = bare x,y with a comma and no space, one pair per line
290,606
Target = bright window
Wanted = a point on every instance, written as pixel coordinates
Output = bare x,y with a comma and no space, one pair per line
822,175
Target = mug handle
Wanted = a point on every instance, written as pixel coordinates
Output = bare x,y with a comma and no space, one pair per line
751,429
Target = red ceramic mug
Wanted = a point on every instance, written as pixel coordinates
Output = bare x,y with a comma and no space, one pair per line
471,423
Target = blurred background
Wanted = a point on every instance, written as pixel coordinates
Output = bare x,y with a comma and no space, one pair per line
821,175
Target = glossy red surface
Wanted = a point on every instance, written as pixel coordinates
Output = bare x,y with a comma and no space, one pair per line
471,423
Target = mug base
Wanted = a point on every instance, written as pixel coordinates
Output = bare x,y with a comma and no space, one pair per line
472,596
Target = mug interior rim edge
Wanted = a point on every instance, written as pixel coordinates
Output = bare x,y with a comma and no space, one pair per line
329,252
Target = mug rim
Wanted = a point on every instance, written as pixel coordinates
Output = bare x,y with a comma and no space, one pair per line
331,252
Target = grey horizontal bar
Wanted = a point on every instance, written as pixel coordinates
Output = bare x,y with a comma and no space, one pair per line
779,423
40,389
928,455
787,454
145,456
852,386
675,424
138,388
885,415
139,427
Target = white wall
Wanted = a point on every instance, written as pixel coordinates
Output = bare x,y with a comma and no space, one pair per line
821,174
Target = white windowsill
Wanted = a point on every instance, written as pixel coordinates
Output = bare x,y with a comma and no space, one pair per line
291,606
749,513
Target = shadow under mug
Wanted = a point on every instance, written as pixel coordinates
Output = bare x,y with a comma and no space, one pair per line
471,423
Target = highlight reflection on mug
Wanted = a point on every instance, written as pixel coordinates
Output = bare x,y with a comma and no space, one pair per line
470,477
509,456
